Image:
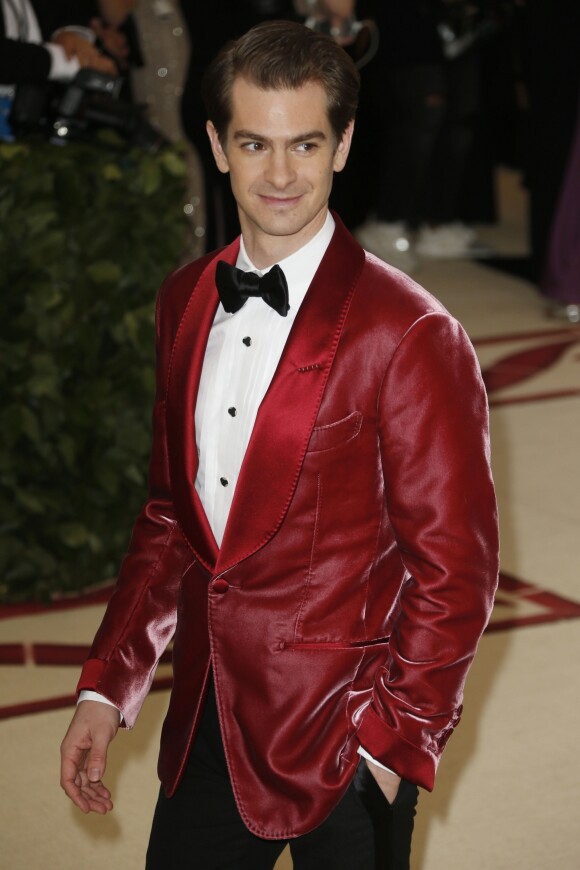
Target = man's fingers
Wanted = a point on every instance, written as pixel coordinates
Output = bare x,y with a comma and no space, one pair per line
96,760
84,756
87,796
70,782
95,794
96,763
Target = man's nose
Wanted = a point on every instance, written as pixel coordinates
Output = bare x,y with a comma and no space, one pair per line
280,171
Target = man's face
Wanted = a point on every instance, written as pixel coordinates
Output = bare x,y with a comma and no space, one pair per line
281,153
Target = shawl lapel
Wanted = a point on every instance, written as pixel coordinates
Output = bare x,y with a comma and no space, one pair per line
182,388
286,417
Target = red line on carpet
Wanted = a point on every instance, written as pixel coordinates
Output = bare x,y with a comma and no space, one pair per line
52,654
535,397
555,606
563,331
523,364
46,705
82,599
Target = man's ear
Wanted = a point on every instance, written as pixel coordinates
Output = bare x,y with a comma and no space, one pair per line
343,148
216,146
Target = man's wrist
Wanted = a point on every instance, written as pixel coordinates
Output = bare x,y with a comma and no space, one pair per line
88,695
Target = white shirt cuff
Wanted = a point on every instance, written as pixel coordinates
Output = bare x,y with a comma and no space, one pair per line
62,68
369,757
88,695
83,32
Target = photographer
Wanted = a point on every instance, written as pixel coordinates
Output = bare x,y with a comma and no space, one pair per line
112,26
34,49
44,42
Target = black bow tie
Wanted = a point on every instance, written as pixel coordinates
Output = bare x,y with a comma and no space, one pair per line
235,287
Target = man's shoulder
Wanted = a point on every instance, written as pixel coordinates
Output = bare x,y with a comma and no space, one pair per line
385,292
178,286
187,273
395,295
175,293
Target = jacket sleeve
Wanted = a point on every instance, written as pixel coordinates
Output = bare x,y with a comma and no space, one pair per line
140,618
23,62
441,505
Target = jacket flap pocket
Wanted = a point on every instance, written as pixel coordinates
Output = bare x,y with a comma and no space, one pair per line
335,434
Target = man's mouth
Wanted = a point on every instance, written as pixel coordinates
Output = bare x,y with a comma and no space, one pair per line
282,202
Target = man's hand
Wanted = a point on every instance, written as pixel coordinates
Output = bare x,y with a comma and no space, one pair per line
84,51
338,13
113,40
387,782
84,756
340,8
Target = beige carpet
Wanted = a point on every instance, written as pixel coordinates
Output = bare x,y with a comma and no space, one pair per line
508,790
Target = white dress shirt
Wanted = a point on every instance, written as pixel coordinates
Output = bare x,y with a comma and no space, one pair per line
241,357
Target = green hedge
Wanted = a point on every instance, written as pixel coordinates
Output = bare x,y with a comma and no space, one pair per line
86,235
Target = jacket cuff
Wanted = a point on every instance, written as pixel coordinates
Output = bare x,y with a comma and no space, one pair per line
111,679
91,674
407,760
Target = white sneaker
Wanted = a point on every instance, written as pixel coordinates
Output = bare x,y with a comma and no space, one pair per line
461,231
448,241
565,311
389,241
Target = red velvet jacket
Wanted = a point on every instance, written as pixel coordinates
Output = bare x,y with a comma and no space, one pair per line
359,563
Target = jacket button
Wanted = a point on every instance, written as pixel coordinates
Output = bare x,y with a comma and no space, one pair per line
220,586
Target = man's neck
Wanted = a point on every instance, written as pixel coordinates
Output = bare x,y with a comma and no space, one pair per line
264,250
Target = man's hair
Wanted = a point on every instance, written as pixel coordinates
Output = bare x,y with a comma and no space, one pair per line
282,55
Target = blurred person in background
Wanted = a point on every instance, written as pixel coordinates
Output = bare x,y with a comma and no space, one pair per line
550,39
113,26
111,22
421,110
560,280
38,43
401,118
42,42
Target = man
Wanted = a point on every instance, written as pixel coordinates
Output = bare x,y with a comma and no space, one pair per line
320,537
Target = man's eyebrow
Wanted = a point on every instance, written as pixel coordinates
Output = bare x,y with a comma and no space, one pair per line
302,137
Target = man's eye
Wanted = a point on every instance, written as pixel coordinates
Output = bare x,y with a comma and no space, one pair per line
307,146
253,146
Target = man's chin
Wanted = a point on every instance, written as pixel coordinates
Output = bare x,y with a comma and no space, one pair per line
286,224
286,221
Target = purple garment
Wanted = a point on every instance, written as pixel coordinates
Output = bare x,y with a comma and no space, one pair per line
561,279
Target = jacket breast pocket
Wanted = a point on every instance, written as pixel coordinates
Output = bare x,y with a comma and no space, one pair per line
335,434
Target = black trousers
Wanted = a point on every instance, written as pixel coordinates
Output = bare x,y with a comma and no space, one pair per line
200,828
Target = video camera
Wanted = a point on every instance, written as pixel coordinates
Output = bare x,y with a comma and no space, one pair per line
75,111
